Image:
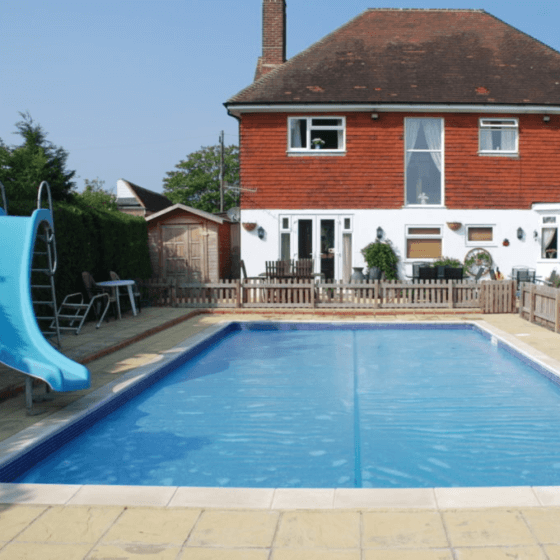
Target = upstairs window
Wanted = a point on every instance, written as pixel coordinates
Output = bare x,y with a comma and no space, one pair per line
307,134
424,161
499,136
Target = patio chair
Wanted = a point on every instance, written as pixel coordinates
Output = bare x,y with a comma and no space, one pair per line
73,311
492,274
260,294
92,290
135,290
303,268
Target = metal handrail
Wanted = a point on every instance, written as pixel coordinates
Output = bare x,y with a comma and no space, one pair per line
4,202
50,235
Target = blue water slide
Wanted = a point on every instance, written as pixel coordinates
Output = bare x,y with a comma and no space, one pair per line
22,345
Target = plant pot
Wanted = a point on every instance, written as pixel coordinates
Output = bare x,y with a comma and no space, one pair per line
454,226
249,226
374,273
357,275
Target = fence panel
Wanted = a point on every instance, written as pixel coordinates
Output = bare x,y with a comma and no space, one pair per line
492,297
288,292
540,304
497,296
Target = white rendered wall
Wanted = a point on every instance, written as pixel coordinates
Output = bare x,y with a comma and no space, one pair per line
524,252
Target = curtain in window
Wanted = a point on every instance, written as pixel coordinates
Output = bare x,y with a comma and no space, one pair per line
432,132
411,135
547,239
486,140
508,139
295,133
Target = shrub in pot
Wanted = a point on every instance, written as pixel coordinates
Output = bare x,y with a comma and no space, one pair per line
381,254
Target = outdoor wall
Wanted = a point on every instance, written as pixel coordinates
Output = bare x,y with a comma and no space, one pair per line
524,252
371,172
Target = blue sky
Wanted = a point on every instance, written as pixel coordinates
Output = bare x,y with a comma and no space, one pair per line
131,87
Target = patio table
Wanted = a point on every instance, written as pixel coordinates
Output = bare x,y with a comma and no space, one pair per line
128,284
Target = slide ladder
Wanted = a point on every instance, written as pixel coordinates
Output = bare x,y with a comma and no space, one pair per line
43,268
22,344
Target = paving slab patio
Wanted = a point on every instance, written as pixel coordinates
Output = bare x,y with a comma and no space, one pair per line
49,522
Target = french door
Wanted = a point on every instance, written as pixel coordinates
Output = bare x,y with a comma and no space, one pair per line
325,239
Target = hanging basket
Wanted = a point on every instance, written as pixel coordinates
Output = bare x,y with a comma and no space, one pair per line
454,226
249,226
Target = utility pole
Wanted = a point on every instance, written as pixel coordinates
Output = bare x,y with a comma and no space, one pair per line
222,171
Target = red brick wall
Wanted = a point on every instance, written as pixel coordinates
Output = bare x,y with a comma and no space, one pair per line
371,173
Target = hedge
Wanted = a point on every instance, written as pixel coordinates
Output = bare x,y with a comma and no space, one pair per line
95,241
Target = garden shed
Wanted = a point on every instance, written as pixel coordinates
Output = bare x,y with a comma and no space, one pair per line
192,244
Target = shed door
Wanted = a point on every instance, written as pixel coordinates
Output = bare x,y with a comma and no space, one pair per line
183,252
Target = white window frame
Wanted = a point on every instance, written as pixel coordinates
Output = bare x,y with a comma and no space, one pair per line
409,235
499,124
469,243
413,150
309,150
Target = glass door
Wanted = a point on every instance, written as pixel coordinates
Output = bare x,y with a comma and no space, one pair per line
326,240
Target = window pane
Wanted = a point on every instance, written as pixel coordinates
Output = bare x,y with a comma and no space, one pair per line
285,247
285,223
346,256
329,137
346,223
424,231
480,234
549,220
549,243
298,133
423,248
326,122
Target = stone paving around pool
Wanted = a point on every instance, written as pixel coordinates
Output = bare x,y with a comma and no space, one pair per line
64,523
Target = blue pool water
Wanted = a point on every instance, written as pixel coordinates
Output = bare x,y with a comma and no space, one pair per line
286,405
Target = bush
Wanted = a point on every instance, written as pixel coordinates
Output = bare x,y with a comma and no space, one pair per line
383,256
94,241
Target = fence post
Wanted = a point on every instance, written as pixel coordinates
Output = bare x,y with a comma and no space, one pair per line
532,303
312,290
376,294
238,293
557,311
450,301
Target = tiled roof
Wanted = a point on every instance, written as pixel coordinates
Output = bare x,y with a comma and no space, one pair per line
150,200
416,56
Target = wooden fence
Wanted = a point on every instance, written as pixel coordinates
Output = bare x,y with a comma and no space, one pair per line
540,304
491,297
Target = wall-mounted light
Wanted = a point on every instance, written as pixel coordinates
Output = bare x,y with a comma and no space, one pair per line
520,233
535,235
546,118
375,116
260,232
379,233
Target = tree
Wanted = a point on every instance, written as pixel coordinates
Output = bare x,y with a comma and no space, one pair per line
196,181
24,167
95,196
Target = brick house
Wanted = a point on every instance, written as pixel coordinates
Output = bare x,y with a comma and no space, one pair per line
438,130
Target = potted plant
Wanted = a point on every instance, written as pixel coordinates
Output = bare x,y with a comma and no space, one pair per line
381,256
318,143
443,263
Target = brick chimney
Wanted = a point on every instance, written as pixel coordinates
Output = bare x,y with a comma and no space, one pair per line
273,37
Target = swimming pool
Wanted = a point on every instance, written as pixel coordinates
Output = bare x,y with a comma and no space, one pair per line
390,413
